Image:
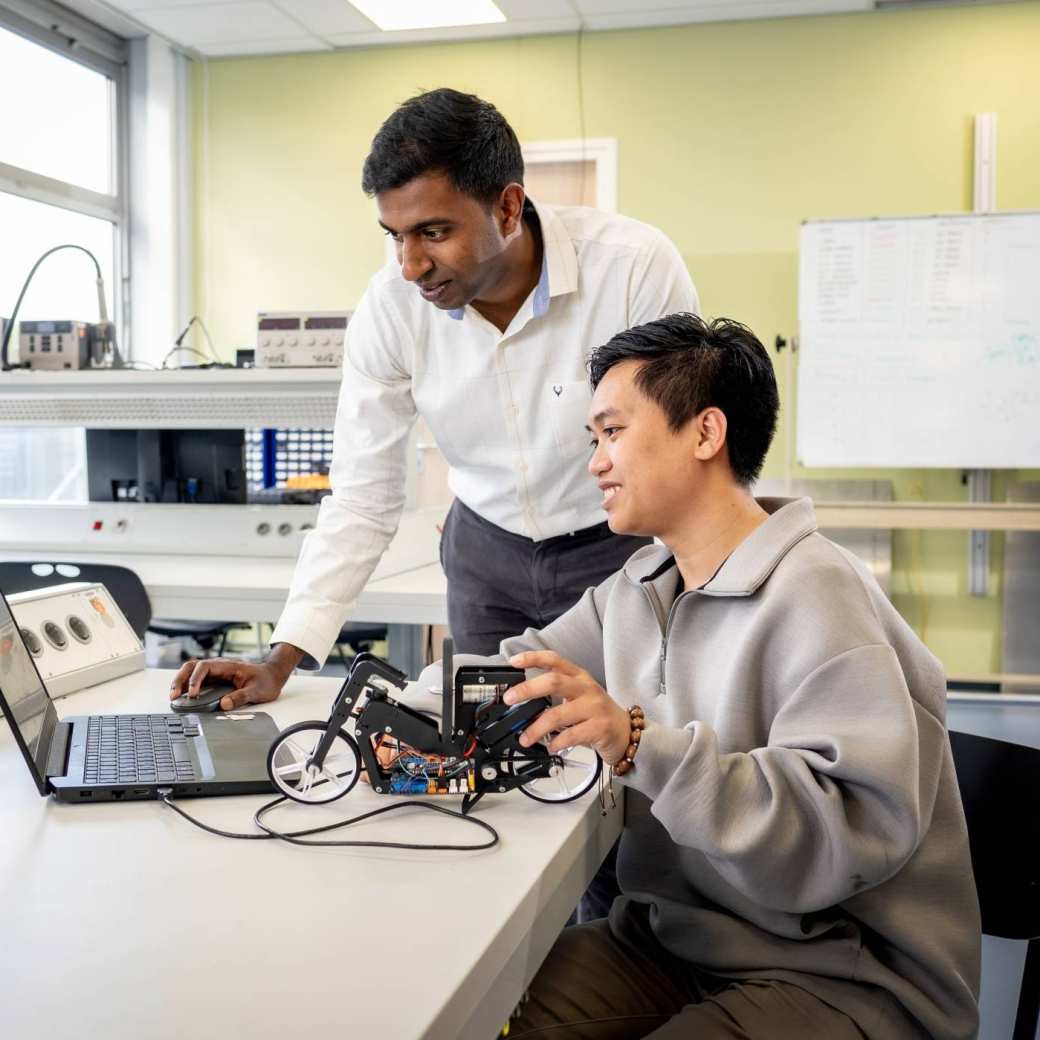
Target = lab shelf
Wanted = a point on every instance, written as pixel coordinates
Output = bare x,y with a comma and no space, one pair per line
231,398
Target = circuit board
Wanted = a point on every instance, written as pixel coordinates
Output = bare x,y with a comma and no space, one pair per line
431,774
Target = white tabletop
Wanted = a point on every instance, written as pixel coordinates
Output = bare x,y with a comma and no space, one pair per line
123,920
248,588
220,586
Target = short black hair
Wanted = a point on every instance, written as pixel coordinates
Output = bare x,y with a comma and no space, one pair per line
690,365
445,131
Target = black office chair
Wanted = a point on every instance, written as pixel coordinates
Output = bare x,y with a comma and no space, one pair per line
206,633
125,588
122,583
358,638
1000,789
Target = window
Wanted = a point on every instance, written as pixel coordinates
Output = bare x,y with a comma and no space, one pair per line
61,181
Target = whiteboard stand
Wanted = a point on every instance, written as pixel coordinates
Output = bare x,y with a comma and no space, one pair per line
979,490
985,201
791,345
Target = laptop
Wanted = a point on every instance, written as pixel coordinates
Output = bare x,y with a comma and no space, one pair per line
104,758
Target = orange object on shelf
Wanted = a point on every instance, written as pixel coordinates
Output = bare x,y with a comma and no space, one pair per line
309,482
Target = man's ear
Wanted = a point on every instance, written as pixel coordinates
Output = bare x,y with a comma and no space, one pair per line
510,208
711,428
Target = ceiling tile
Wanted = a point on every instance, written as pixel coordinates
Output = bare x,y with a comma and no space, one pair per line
225,27
293,45
619,14
696,10
327,16
526,10
469,32
221,23
144,5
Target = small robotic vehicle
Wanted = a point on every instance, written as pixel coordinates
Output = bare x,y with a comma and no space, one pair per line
473,750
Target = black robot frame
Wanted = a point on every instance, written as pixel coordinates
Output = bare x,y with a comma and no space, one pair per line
473,749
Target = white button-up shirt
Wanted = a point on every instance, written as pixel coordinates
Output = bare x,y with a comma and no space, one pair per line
508,409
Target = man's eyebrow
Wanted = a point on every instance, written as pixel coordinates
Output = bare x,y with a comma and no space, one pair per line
597,419
421,226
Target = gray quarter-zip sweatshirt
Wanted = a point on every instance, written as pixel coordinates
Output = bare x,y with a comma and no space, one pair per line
793,810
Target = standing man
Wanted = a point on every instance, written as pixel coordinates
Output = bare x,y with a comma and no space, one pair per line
483,327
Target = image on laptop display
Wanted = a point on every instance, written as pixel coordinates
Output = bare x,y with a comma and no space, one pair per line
25,702
115,757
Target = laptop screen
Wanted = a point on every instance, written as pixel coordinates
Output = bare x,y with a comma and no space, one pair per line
24,698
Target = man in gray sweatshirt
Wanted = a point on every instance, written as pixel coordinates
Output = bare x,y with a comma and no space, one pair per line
794,860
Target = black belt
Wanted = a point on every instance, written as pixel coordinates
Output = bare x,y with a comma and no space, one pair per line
586,534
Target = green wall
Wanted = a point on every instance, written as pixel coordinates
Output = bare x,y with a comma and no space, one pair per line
729,135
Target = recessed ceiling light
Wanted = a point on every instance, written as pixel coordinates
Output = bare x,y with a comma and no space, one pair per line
391,15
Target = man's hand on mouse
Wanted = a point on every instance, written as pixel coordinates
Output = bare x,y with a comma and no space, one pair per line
254,683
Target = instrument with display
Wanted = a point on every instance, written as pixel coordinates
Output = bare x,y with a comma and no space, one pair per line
300,340
57,345
473,751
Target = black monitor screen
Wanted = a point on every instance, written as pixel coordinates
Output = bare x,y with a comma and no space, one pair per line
23,697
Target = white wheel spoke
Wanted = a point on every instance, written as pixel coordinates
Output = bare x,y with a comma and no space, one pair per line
294,772
573,763
298,751
571,773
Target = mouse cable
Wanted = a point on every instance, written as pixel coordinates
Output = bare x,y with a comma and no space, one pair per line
298,837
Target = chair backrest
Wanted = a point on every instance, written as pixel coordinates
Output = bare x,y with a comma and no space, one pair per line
1000,788
123,584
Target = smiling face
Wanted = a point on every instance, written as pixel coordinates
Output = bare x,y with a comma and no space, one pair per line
650,474
451,245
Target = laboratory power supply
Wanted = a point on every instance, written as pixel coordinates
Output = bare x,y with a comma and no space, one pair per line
300,339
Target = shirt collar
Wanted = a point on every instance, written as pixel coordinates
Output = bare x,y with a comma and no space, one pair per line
559,261
746,569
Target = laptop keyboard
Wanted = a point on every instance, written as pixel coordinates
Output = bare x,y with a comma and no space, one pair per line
131,749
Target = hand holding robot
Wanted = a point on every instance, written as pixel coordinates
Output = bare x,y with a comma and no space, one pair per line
478,747
587,715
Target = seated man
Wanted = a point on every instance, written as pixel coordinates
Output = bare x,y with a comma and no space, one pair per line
794,860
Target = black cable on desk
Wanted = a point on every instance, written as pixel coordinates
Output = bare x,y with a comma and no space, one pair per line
297,837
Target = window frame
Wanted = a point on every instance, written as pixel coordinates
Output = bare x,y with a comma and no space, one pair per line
76,39
602,152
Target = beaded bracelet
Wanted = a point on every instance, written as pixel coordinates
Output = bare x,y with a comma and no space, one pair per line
638,724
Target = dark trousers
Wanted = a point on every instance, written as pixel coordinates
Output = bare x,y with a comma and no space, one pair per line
615,981
501,583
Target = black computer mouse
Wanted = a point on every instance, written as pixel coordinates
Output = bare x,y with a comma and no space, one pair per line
208,699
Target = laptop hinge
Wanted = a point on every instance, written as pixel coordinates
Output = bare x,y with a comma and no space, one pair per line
58,752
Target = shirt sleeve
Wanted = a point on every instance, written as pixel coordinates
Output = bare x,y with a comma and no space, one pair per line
835,803
660,284
357,521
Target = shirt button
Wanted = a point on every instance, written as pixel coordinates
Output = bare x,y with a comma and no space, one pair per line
522,467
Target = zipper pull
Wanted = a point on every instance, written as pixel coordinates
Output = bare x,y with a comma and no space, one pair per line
660,680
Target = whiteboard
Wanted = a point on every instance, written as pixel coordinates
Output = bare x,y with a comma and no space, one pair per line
920,342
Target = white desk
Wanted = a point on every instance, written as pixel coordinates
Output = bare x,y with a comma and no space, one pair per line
121,920
407,588
253,588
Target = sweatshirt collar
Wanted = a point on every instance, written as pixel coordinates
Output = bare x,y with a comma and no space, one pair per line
745,570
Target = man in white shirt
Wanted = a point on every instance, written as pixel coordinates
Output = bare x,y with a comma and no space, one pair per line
521,294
